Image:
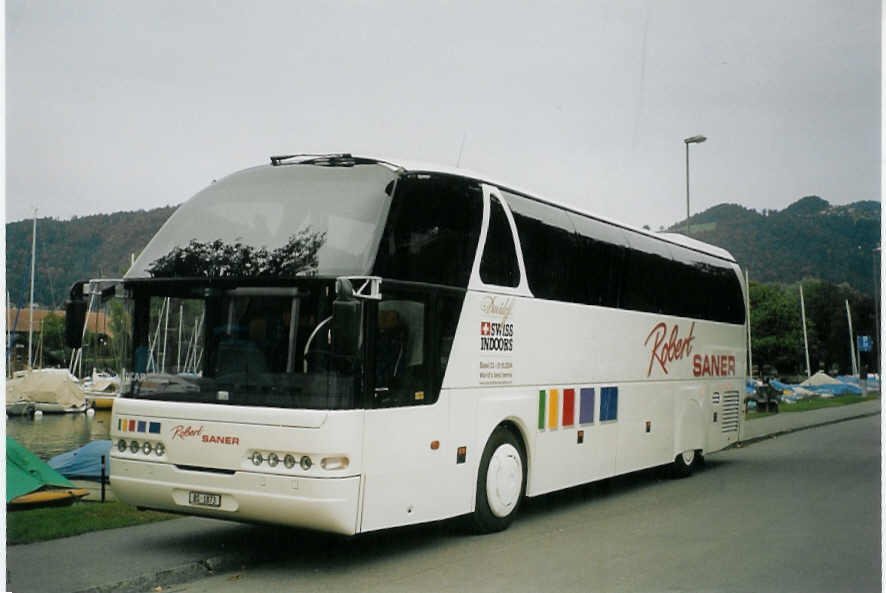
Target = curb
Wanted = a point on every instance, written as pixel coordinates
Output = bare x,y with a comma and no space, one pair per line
762,437
188,572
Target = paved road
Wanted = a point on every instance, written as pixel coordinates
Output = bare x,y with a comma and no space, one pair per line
800,512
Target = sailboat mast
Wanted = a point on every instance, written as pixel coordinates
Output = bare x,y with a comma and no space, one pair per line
31,307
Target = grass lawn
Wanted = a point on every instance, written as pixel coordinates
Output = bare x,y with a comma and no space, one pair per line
816,403
24,527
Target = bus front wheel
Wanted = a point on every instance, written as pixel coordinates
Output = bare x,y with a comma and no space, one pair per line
501,482
684,463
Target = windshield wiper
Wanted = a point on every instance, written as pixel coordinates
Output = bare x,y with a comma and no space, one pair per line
342,159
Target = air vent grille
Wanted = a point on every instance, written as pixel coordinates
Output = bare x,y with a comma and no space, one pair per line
729,412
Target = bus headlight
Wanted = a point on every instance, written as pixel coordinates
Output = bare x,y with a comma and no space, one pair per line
273,460
334,463
305,462
160,449
257,458
289,461
122,445
147,448
134,447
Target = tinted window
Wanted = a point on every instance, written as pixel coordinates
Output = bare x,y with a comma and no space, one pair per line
448,312
432,231
547,239
598,267
401,361
412,339
499,263
710,289
648,284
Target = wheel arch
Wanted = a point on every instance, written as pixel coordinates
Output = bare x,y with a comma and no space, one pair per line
518,428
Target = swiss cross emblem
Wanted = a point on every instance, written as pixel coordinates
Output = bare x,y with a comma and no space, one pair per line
485,328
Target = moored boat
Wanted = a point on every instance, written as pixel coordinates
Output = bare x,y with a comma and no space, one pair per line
21,407
52,391
31,482
101,390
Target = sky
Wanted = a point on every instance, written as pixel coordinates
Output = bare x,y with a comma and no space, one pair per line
124,105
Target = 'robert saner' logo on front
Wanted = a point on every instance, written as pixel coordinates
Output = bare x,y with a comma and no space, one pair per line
496,337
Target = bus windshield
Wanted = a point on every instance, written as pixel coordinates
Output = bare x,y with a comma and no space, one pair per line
239,345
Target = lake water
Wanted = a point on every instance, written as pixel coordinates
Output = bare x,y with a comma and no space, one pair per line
52,434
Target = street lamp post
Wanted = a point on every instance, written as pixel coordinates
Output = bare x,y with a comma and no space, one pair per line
691,140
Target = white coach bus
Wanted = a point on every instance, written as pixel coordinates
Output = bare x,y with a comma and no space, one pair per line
346,344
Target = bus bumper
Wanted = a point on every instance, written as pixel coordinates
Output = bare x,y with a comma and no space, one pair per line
325,504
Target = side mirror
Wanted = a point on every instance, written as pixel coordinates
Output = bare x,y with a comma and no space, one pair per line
75,317
346,320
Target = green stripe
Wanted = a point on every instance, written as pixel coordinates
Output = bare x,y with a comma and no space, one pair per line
541,410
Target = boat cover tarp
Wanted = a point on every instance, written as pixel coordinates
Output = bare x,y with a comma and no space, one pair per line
822,383
819,378
85,462
49,386
818,384
25,472
873,381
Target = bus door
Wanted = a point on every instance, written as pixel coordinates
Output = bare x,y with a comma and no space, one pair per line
406,449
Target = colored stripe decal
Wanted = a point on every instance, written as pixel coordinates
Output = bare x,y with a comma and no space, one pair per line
119,424
541,410
586,409
132,426
568,407
142,425
154,428
608,403
553,410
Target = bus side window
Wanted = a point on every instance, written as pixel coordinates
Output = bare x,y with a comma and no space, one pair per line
547,239
499,262
401,365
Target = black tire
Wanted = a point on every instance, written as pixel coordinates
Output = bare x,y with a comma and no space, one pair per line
496,515
683,468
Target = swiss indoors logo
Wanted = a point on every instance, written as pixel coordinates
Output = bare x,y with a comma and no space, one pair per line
496,336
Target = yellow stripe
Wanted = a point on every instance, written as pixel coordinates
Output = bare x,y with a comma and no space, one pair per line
553,409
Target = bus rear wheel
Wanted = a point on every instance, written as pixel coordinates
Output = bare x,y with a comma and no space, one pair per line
684,463
501,482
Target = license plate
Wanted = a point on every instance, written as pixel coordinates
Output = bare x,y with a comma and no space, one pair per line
204,499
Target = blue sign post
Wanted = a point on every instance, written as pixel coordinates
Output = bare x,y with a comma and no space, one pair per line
865,344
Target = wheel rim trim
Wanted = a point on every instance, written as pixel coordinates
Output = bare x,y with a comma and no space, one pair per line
504,480
688,456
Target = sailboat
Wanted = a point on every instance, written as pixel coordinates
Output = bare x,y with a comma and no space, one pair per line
44,390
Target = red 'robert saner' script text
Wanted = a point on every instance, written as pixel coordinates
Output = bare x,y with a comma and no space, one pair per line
667,348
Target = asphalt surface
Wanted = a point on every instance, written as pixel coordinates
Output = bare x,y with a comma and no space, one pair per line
800,512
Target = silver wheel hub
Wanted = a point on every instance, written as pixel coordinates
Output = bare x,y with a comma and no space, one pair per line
504,480
688,456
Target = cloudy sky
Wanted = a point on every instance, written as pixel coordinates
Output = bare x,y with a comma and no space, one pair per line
123,105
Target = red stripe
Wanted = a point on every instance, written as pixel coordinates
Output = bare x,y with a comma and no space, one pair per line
568,407
132,426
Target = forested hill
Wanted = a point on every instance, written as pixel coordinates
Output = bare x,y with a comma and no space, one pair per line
78,249
808,239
